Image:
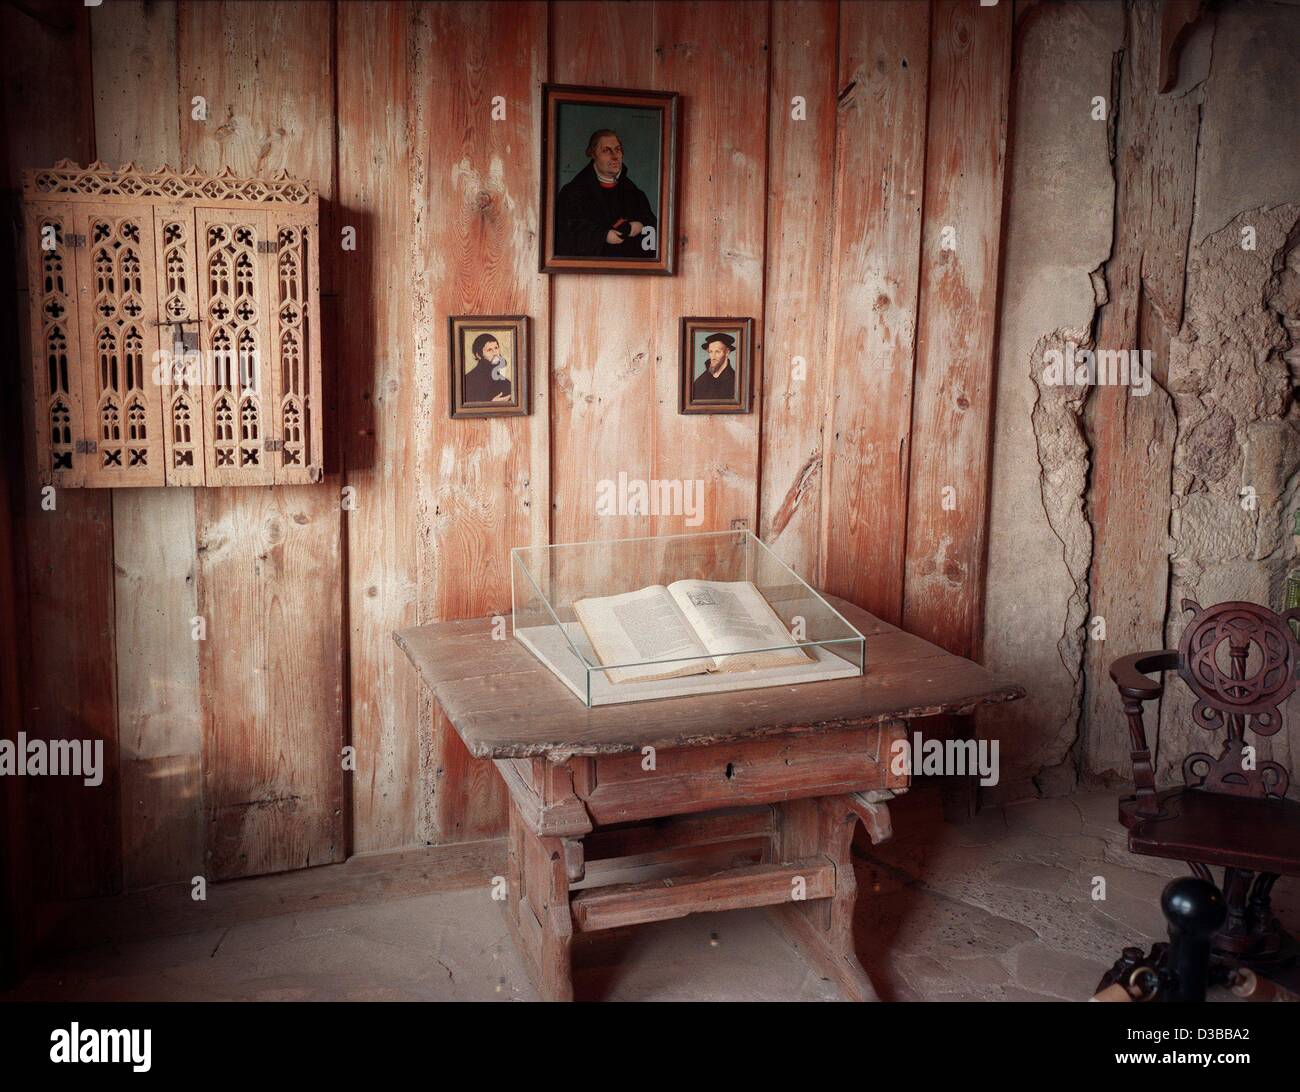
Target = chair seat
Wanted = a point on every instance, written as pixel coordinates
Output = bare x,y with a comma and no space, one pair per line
1262,835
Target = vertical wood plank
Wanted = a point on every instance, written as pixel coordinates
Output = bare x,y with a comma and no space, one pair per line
380,406
15,864
702,50
800,236
1133,436
485,483
616,338
953,392
137,118
68,552
270,572
611,334
880,163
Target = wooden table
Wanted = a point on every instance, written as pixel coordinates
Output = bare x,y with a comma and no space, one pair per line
625,814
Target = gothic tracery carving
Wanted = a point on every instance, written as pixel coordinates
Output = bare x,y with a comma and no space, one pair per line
174,318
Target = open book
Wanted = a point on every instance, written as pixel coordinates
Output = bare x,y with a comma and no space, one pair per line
698,625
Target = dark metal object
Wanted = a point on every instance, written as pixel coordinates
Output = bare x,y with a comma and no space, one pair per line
1239,660
1182,969
1194,911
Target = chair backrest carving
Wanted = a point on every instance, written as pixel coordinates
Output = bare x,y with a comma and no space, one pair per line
1219,646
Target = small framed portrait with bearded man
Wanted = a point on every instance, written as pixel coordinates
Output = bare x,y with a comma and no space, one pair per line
489,365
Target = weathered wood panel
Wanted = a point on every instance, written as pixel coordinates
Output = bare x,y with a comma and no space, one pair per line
15,863
880,163
479,679
380,408
702,50
953,390
68,552
484,484
1133,436
270,570
610,335
800,237
137,118
158,685
247,723
675,897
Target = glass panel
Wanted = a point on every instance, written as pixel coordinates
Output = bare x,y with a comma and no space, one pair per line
549,580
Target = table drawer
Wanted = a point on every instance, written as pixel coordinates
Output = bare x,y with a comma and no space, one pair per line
618,788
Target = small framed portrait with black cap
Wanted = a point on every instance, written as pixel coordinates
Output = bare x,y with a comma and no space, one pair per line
489,358
717,365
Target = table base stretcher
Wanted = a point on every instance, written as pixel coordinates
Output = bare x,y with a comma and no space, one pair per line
603,843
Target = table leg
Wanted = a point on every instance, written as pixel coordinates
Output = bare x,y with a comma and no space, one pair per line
822,929
538,908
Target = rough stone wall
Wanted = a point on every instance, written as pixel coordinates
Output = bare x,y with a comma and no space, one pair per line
1236,362
1230,369
1235,461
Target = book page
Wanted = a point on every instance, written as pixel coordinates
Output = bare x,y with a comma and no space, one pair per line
638,626
732,618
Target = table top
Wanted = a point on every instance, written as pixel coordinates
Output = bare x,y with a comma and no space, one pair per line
506,704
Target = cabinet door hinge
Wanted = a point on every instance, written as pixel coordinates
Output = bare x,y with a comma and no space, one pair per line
267,246
86,447
273,445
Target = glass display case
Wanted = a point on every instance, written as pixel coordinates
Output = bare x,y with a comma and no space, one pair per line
645,618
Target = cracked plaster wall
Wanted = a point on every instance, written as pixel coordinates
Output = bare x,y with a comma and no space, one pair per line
1231,370
1058,229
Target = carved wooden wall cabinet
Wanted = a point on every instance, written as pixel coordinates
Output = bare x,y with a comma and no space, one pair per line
175,326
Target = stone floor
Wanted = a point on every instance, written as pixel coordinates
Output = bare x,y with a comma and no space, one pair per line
1000,907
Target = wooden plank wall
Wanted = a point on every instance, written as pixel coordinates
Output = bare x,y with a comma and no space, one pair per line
880,172
138,117
66,552
381,406
272,665
1133,438
952,405
801,216
607,338
484,486
16,895
822,224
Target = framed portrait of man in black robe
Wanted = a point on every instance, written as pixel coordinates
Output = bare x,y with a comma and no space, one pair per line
489,365
609,167
717,365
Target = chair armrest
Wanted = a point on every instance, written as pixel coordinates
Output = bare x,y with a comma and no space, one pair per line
1135,687
1130,673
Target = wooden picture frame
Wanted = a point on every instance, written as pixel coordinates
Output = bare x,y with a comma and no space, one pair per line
643,157
477,377
721,343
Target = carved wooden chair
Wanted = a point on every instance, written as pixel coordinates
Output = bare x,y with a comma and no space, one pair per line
1231,812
